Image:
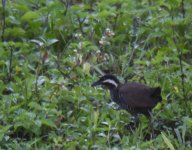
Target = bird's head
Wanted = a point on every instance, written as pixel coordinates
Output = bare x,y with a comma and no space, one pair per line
108,81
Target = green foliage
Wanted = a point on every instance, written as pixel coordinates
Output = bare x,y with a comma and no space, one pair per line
51,52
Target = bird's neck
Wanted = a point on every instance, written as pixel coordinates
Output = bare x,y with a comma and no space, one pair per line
114,94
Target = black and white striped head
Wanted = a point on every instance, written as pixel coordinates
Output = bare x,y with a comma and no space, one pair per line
108,81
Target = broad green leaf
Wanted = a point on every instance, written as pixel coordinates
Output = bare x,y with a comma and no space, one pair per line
30,15
48,123
86,68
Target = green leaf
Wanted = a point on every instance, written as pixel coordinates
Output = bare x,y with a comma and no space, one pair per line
48,123
52,41
3,131
29,16
15,32
167,141
86,68
35,105
39,43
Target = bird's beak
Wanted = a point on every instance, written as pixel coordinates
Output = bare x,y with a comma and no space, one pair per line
96,83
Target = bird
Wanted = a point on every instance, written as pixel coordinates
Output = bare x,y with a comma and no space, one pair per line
136,98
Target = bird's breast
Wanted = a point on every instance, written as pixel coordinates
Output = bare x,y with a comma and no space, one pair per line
114,96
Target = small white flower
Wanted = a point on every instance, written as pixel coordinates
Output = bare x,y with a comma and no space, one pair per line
77,35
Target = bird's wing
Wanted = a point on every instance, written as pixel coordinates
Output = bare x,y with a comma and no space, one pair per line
136,95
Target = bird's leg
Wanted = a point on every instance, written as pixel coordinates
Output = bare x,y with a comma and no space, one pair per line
136,130
131,125
136,121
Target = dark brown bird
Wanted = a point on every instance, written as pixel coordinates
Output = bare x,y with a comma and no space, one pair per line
134,97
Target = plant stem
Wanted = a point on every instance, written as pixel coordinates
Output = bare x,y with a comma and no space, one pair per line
3,22
181,70
180,54
10,64
183,8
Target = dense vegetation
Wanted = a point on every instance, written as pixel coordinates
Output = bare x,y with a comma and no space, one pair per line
51,52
